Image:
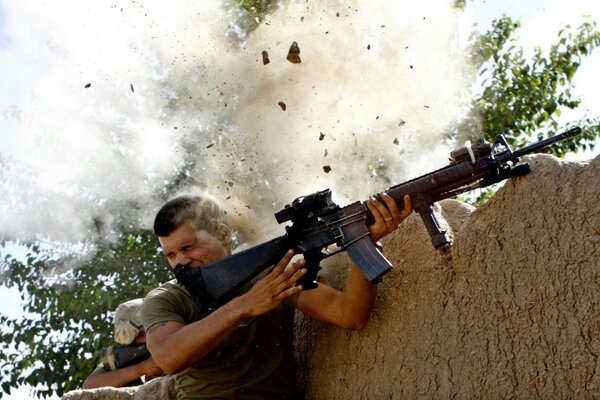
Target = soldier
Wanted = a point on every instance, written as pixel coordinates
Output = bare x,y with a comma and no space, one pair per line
244,349
128,331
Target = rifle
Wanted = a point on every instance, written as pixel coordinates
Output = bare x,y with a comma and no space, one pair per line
318,223
115,357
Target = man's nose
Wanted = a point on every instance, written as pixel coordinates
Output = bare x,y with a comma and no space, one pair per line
183,259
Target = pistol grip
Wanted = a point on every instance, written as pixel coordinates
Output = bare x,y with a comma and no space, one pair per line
313,260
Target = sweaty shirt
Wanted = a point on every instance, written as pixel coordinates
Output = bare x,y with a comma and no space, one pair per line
254,362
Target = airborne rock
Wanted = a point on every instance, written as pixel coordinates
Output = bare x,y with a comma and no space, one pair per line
293,55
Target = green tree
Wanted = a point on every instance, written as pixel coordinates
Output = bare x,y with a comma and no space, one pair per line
522,98
251,12
68,305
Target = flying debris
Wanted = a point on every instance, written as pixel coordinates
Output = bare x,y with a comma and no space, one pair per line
265,57
326,169
282,105
294,54
396,142
321,136
131,86
88,85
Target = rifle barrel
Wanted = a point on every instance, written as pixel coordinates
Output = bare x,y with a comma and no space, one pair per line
546,142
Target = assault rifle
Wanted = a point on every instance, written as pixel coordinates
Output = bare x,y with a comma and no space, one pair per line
318,223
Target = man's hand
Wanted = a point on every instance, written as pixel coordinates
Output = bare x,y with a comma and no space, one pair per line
273,289
387,216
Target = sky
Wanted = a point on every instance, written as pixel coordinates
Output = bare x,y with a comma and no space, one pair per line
44,89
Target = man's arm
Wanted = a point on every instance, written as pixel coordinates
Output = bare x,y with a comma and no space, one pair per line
351,308
122,376
175,346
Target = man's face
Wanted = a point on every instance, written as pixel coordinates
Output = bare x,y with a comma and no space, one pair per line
192,248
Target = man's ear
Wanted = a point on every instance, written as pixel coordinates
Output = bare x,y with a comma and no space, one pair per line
224,235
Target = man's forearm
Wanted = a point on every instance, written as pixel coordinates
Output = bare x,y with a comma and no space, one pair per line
175,347
359,296
117,378
349,309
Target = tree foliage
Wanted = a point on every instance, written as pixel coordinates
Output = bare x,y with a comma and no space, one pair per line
522,98
69,299
252,12
68,306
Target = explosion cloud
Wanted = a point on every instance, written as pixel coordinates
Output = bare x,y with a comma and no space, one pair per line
106,103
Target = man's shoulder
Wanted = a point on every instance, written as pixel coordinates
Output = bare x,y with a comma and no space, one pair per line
171,287
168,302
169,295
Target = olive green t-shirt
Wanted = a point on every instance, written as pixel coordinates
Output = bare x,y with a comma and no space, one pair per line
254,362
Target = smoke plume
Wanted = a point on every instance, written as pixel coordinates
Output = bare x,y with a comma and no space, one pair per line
106,103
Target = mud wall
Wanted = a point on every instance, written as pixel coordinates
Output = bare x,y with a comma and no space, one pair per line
514,314
161,388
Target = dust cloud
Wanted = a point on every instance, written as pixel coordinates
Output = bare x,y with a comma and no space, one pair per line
105,103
